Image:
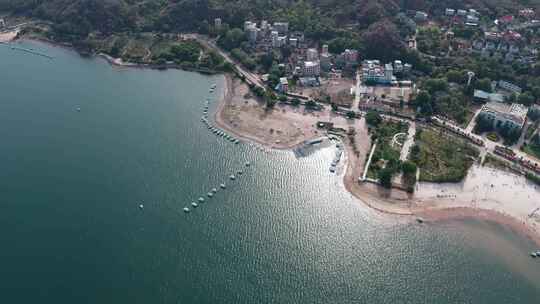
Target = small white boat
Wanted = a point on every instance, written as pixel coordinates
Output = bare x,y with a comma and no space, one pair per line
201,199
78,109
232,177
239,172
195,205
222,186
141,206
248,164
534,254
186,209
210,194
214,190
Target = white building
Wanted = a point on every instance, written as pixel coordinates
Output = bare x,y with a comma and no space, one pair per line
217,23
450,12
461,12
248,25
281,41
312,55
252,34
293,42
281,27
374,72
510,87
472,19
274,36
398,66
504,115
421,16
311,68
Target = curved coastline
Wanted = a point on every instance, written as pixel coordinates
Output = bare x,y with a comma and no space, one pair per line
397,202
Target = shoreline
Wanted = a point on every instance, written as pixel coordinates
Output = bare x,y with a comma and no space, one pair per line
391,202
394,202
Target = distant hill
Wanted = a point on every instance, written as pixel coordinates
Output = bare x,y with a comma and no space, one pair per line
117,15
322,20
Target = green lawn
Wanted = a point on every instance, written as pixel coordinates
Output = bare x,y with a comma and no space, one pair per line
442,157
533,150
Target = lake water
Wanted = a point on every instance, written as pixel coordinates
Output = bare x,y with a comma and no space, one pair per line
285,231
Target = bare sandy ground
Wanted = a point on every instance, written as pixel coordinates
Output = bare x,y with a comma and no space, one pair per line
8,36
486,194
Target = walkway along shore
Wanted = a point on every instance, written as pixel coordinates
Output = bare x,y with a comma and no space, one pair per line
395,202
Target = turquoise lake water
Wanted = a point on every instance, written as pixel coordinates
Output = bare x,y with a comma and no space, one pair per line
285,231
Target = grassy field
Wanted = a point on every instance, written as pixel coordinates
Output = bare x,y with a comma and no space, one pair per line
532,150
441,157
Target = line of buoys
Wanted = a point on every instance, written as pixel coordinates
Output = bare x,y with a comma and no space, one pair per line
215,130
213,191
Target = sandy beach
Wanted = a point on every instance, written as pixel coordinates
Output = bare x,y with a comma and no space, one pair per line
8,36
486,194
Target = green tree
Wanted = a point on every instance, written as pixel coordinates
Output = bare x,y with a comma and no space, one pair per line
373,118
232,39
408,167
525,99
483,84
385,177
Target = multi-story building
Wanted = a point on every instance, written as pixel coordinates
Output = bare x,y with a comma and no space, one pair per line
249,24
312,55
311,68
283,85
373,72
421,16
252,34
326,61
217,23
450,12
281,27
293,42
510,87
398,66
274,36
350,56
511,116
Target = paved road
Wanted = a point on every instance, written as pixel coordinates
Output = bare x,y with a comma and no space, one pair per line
211,45
409,142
